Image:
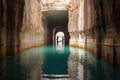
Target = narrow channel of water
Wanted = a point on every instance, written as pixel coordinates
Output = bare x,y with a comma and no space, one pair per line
48,63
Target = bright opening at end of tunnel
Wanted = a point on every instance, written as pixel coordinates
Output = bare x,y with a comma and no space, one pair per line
60,41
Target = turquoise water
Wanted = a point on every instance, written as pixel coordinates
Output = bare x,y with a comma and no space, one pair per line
48,63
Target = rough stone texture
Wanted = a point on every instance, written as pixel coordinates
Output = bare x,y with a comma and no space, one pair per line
10,23
93,24
20,26
76,22
73,15
101,24
32,31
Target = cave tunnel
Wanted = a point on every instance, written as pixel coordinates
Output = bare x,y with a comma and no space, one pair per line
90,29
32,23
56,20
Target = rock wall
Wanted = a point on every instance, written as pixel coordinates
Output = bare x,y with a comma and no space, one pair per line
99,28
20,26
11,14
32,32
76,22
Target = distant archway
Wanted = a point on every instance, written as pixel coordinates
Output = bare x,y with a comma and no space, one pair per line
60,41
55,21
60,38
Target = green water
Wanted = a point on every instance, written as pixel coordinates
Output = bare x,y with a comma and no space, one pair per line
48,63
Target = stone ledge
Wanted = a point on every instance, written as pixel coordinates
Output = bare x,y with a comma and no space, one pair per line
32,46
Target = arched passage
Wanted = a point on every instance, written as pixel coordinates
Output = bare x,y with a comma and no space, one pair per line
59,41
59,38
60,32
55,21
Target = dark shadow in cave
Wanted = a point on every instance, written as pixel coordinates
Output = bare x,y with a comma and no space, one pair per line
11,18
57,20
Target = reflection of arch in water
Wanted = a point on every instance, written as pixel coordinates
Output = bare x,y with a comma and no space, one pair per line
55,65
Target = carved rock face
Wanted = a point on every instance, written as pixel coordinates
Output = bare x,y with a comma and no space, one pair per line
32,28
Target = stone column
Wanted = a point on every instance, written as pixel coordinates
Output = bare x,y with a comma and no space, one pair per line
4,28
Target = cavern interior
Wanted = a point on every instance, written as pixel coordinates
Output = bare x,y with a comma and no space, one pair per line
59,39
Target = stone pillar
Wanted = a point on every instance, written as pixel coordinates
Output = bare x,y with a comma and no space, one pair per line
1,25
3,42
16,37
4,28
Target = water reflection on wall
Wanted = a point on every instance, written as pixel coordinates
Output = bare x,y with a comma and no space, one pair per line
75,64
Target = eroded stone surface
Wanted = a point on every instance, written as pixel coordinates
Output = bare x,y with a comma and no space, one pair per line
32,29
96,21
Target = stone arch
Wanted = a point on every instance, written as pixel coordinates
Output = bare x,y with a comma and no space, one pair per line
61,29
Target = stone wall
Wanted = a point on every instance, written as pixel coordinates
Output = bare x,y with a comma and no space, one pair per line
11,14
32,32
99,29
20,26
76,22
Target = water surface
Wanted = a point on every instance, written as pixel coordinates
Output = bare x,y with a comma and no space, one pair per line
48,63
